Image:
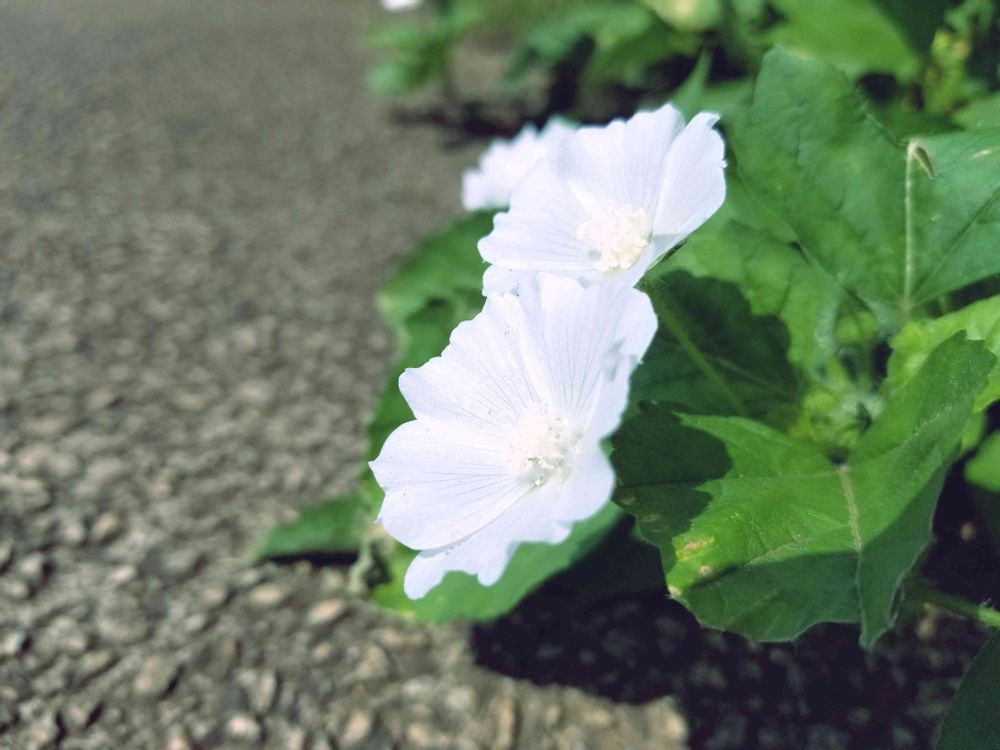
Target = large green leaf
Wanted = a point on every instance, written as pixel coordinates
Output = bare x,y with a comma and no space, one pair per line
761,533
789,298
419,54
973,721
953,211
438,287
461,596
606,26
445,267
895,225
854,35
711,353
334,527
983,469
776,280
911,346
980,113
424,335
917,25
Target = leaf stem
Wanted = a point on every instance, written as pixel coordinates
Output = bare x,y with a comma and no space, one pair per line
956,605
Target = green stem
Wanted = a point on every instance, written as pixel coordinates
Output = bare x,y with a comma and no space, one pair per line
956,605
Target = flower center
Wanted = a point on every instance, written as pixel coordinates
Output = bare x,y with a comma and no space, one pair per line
539,447
616,238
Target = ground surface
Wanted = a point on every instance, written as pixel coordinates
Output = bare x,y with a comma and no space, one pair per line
197,202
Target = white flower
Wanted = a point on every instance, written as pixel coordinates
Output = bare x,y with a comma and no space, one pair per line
506,163
394,6
612,202
505,447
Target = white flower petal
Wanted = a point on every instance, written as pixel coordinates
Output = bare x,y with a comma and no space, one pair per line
590,340
486,377
588,490
439,490
539,233
486,553
623,163
506,163
500,280
395,6
695,183
613,201
506,445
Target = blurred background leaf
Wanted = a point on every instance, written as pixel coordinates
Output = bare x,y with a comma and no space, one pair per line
973,721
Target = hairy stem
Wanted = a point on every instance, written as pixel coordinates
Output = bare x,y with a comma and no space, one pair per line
931,595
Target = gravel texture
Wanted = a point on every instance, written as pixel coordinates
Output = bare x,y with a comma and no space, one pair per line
197,203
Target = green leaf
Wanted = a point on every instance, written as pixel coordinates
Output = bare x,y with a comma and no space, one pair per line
445,267
776,280
334,527
983,469
627,59
398,77
762,534
689,95
416,57
980,321
898,466
973,721
424,335
461,596
853,35
696,94
609,39
980,113
917,25
437,287
897,226
903,121
712,354
953,211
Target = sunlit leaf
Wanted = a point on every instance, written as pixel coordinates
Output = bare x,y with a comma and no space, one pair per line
983,469
980,321
897,225
335,527
774,278
761,533
445,267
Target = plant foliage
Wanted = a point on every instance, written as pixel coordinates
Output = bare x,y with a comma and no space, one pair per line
828,344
